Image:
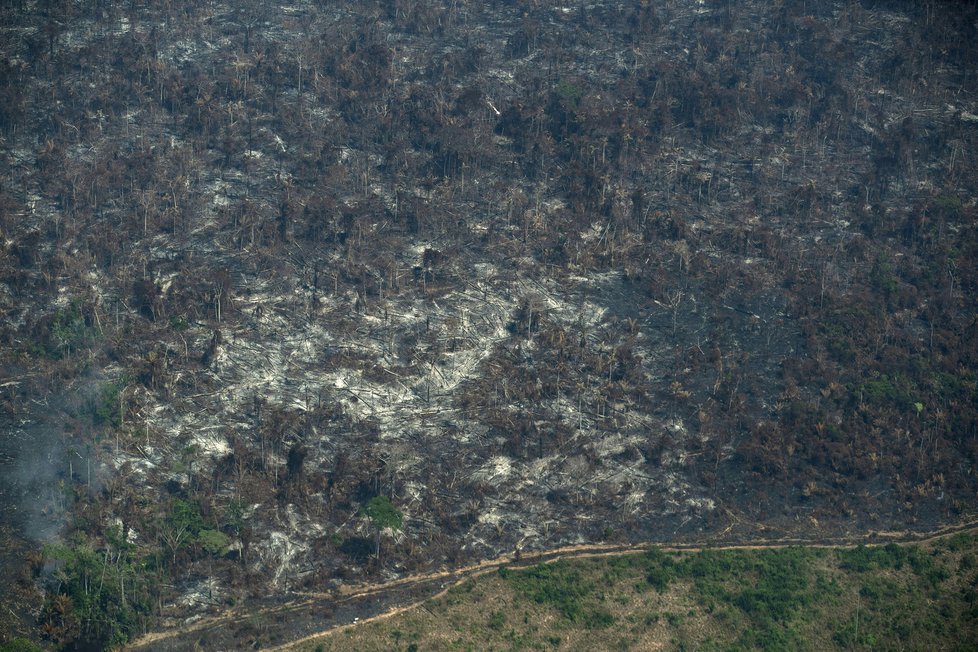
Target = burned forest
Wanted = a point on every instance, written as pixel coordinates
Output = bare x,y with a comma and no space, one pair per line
309,294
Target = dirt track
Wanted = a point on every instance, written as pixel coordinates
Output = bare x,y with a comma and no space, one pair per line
312,615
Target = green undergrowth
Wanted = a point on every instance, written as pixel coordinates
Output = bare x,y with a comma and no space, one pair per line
914,597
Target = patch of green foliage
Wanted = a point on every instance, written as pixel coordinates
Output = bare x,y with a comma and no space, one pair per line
179,324
101,596
660,569
106,408
382,512
895,390
899,601
882,275
213,541
862,559
565,588
948,206
569,92
770,588
497,620
234,516
20,645
68,332
188,528
185,515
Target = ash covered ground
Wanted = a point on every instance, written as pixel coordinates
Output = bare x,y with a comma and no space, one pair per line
538,274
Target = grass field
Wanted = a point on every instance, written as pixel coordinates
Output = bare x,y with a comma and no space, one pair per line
915,597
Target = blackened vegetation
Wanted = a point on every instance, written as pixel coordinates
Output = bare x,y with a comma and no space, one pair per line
533,272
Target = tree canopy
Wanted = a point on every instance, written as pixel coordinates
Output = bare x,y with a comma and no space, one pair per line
383,514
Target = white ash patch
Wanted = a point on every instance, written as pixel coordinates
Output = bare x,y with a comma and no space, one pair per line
594,233
210,445
502,74
208,591
496,470
138,465
250,510
413,492
608,445
540,468
677,427
634,501
700,504
491,517
277,552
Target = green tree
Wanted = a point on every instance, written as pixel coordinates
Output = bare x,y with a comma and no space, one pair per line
213,542
101,595
180,525
383,515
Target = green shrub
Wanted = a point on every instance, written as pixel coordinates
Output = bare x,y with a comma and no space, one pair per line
213,542
497,620
20,645
597,618
959,542
862,559
106,407
851,635
563,587
179,324
660,569
67,332
880,591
